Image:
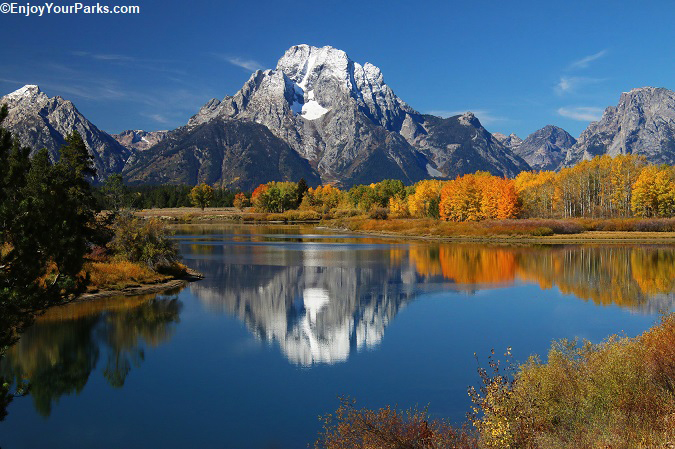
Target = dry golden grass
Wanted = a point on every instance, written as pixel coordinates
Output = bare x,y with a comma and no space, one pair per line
553,231
227,214
116,275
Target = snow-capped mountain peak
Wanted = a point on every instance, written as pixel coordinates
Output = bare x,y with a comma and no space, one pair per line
30,93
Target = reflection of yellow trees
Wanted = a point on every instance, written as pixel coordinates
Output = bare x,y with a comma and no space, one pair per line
600,274
654,271
61,349
624,276
425,259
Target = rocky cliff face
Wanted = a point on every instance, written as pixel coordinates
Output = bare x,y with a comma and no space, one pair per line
643,123
511,141
459,145
42,122
342,123
139,140
545,149
231,153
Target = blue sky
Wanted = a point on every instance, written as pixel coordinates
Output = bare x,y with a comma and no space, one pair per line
518,65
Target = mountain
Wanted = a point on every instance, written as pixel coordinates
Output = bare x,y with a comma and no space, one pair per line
232,153
511,141
545,149
138,139
459,145
643,123
42,122
317,115
347,122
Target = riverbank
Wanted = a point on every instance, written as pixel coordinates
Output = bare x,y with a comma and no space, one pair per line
506,231
132,291
193,215
538,231
132,279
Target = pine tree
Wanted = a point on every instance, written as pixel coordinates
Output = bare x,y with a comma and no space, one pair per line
302,189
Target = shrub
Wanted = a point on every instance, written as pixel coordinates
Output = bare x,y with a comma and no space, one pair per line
379,213
295,215
343,213
618,394
542,231
143,241
388,428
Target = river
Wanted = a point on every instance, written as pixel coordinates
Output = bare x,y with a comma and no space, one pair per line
289,318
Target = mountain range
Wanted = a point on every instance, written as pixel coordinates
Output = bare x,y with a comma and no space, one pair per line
325,118
42,122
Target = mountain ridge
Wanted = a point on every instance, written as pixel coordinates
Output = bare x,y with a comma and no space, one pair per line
320,115
642,123
39,121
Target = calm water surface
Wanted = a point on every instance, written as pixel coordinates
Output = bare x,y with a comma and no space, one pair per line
289,318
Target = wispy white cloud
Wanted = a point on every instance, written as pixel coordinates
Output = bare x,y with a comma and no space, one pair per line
166,66
159,118
485,116
570,84
12,81
250,65
586,60
103,56
581,113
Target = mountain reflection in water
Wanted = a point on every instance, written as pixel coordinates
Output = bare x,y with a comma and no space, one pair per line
322,298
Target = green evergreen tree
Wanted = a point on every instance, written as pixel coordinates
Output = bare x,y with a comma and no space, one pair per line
115,193
302,189
47,215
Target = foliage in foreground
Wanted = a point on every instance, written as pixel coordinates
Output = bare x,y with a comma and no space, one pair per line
616,394
47,222
388,428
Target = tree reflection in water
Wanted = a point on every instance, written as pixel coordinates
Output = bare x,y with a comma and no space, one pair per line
58,353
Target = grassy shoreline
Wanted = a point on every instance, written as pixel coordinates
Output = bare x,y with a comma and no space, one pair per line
127,284
604,237
539,231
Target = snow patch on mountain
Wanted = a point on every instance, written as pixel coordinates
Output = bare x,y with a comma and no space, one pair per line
28,89
312,110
